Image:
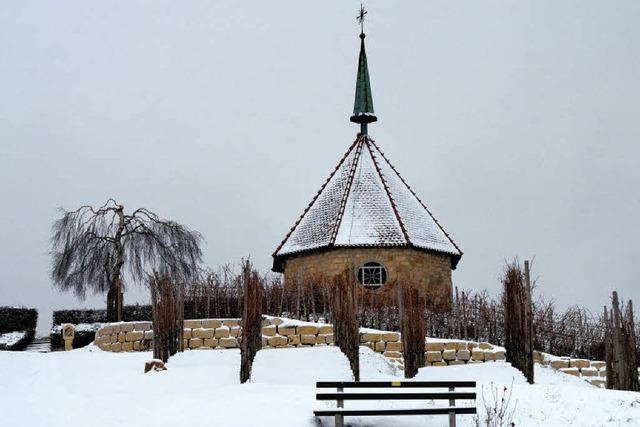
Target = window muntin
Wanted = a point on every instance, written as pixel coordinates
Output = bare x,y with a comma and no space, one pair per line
372,275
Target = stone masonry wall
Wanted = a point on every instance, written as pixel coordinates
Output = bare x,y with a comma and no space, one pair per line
284,333
429,270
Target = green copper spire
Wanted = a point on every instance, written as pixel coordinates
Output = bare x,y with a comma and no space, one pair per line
363,104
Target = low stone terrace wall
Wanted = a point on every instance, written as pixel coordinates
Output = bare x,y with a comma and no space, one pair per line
594,371
285,333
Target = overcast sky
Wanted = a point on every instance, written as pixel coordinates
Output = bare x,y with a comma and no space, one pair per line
516,122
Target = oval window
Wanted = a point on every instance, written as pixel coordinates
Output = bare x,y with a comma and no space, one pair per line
372,275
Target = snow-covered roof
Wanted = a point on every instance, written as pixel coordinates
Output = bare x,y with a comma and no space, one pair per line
365,202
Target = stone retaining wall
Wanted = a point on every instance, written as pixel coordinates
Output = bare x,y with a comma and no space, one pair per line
594,371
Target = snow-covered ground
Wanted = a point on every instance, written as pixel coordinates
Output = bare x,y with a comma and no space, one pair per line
201,387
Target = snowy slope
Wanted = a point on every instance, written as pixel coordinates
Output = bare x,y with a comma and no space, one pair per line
91,387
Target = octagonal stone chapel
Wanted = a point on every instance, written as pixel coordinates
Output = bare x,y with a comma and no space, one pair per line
366,221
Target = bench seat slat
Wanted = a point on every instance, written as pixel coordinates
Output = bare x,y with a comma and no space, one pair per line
395,384
397,396
381,412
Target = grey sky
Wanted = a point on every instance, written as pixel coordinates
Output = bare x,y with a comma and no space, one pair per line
516,122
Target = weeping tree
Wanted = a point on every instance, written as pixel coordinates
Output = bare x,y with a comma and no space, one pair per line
94,249
251,319
344,305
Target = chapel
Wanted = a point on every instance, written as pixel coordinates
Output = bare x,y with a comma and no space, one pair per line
367,221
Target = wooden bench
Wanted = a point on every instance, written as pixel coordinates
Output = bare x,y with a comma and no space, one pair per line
395,394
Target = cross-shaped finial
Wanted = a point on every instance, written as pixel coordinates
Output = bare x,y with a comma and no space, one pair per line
360,17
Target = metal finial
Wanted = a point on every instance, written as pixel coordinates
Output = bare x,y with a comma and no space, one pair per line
360,17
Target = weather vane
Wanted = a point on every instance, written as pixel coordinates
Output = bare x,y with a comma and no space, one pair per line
360,17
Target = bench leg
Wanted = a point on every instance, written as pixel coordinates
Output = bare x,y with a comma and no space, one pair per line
452,415
339,420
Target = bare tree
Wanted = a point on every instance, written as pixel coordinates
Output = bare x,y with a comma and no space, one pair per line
622,367
93,250
516,299
413,328
345,320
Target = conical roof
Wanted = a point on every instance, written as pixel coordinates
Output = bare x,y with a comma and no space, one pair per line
365,203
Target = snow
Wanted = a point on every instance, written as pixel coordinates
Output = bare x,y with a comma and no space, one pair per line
10,339
355,207
82,327
201,387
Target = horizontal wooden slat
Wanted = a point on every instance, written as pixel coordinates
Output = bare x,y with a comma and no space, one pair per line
383,384
395,396
383,412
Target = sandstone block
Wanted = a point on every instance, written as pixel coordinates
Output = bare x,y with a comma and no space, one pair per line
559,364
474,362
286,330
210,342
463,355
571,371
185,344
137,346
449,354
142,326
235,331
477,355
489,356
579,363
221,332
589,372
320,339
228,342
434,356
126,327
325,329
115,328
602,373
391,337
471,345
127,346
193,324
394,346
441,363
134,336
537,356
122,336
308,339
451,345
195,343
277,321
148,335
307,330
105,347
105,330
485,346
380,346
598,382
230,322
277,341
294,340
269,331
500,355
393,354
370,337
211,323
186,333
203,333
329,339
116,347
434,346
456,362
598,364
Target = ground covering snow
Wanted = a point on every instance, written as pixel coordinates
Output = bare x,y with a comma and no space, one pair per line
201,387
